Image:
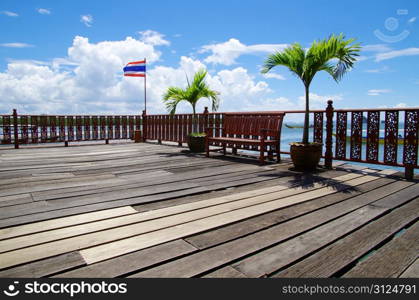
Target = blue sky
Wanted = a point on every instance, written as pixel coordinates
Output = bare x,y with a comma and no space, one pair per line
67,56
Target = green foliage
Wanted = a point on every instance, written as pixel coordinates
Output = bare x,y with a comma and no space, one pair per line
334,55
196,90
198,134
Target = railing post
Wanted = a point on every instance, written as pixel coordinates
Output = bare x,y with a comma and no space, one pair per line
205,119
15,129
329,130
410,148
144,123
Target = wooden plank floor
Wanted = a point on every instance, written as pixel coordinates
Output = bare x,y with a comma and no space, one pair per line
148,210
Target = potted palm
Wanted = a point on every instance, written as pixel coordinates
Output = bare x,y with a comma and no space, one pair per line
192,94
334,55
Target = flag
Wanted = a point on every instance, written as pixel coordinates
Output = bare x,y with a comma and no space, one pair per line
135,69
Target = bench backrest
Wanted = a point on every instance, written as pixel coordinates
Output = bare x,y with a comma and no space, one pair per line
251,124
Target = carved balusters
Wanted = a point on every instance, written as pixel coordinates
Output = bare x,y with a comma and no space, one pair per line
318,127
410,149
391,137
356,135
341,125
373,131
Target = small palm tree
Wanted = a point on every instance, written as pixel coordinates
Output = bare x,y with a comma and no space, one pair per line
334,55
196,90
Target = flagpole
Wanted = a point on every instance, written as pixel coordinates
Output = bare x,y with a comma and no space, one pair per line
145,86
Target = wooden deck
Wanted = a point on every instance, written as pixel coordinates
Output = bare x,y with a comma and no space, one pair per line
147,210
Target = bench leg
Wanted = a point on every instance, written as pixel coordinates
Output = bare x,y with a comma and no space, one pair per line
262,154
278,154
234,151
207,147
224,149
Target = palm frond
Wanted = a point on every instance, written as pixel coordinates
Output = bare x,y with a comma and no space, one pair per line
319,57
291,57
173,97
195,90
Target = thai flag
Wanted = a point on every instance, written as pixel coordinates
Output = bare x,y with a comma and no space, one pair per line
135,69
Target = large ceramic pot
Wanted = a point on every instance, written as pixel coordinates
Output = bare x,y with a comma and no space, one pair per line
196,143
306,157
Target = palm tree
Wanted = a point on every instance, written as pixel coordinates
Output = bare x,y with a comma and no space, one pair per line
196,90
334,55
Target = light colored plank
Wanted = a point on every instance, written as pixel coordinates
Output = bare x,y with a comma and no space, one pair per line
127,245
68,211
59,204
179,230
7,233
45,267
132,262
231,202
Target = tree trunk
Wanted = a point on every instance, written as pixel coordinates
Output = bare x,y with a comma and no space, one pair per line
193,119
306,117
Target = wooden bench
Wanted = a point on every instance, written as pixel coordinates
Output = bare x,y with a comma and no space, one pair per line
250,131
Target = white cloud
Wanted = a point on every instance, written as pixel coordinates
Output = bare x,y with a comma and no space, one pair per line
376,48
362,58
15,45
153,38
378,70
401,105
412,20
318,101
83,82
44,11
397,53
89,81
378,92
272,104
28,61
273,75
86,20
9,13
226,53
238,88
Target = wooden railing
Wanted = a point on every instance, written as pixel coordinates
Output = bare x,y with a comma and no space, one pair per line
33,129
176,128
375,136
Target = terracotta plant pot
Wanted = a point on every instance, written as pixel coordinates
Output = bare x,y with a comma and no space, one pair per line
196,143
306,157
